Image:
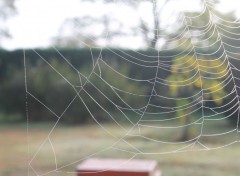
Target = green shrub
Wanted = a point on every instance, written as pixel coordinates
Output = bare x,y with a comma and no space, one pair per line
93,94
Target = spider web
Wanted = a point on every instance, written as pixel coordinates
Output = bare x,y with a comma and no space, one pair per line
154,117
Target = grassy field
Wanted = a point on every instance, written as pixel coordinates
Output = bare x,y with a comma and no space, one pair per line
67,146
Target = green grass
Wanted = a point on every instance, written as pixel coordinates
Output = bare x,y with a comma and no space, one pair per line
73,143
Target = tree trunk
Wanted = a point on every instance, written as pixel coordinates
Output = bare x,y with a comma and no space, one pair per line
156,25
186,131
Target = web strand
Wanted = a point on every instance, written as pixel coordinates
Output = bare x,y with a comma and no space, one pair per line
160,112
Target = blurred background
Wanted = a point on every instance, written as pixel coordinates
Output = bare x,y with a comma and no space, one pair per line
149,79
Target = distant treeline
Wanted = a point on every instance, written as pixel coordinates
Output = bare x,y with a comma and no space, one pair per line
79,57
140,65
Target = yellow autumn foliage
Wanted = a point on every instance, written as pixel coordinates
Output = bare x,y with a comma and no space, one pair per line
173,89
174,69
198,83
217,99
186,72
196,75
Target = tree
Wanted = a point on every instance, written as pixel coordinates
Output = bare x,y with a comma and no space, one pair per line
148,29
200,29
7,9
196,79
212,33
51,88
151,29
151,34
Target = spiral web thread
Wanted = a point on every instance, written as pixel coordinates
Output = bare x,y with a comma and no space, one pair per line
153,115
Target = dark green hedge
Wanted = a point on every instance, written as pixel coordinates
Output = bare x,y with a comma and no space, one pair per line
78,57
12,90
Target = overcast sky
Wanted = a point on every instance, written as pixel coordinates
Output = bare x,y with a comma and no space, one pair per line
38,21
